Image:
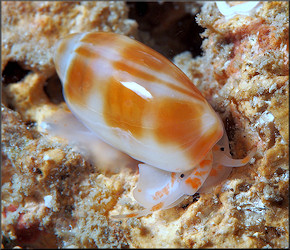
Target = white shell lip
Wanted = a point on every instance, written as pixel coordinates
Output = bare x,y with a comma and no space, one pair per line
63,53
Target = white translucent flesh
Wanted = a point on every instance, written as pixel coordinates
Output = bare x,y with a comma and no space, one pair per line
153,180
201,179
224,158
223,163
65,125
246,8
163,189
221,172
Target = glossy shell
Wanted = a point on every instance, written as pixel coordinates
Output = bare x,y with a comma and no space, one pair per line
136,100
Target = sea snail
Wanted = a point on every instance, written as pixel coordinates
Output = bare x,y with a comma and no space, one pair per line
139,102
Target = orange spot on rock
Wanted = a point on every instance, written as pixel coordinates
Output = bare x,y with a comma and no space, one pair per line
10,208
